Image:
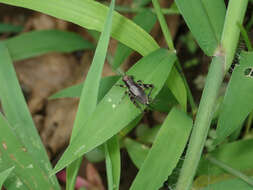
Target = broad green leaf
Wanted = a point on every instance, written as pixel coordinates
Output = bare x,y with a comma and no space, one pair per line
122,51
27,173
238,100
112,154
89,95
74,91
116,111
36,43
4,174
137,151
237,154
169,145
91,15
10,28
17,113
231,184
205,20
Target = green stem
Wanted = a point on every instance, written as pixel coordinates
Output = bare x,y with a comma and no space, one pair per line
163,24
230,36
170,44
230,170
188,90
231,32
202,123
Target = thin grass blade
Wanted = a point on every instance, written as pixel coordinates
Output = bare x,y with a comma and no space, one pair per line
176,128
89,96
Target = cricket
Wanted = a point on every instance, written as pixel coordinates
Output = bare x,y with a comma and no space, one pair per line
136,90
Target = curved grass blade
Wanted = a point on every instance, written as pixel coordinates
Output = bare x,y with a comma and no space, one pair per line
17,113
36,43
89,95
91,15
122,51
205,19
27,173
169,145
74,91
115,111
112,154
137,151
238,100
4,174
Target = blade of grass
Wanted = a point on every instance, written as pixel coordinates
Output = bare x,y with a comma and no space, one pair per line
89,96
230,170
238,101
156,169
17,113
36,43
205,19
112,155
137,151
178,90
115,112
122,51
75,91
91,15
27,173
4,175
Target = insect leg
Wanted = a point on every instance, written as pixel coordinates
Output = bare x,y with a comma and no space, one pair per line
132,98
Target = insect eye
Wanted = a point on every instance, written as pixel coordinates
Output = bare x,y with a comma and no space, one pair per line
131,76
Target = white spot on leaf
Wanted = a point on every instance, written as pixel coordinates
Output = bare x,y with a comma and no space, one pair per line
18,183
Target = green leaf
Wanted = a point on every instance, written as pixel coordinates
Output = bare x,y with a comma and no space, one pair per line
17,113
112,154
238,154
231,184
4,28
89,95
115,111
36,43
169,145
122,51
74,91
91,15
4,174
137,151
238,100
205,19
27,173
146,134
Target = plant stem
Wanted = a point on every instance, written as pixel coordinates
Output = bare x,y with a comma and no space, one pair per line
220,63
202,123
231,32
230,170
169,41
